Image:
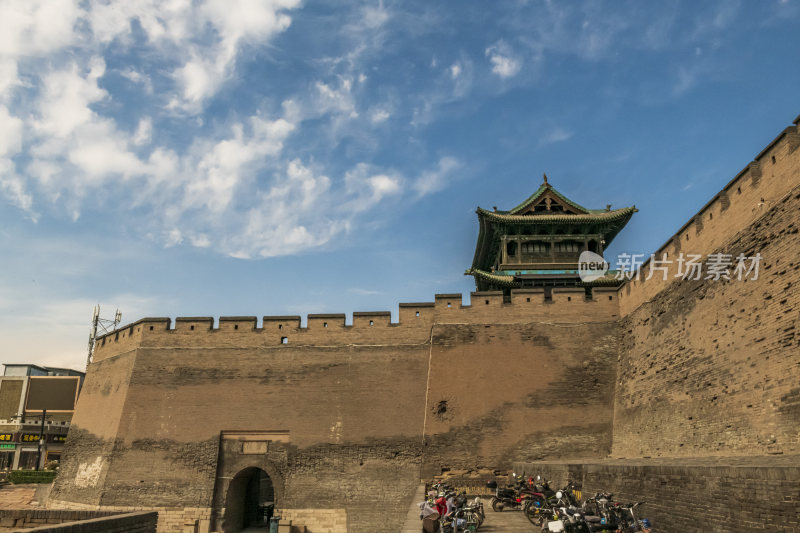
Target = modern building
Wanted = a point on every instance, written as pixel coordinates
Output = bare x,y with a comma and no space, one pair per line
36,408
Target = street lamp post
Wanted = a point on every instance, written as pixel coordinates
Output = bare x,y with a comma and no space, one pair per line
41,440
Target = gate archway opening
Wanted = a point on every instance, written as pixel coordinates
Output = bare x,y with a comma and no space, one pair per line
250,501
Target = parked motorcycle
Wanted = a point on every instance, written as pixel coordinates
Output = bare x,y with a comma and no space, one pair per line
511,497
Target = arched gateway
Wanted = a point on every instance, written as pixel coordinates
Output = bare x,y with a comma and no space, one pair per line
249,501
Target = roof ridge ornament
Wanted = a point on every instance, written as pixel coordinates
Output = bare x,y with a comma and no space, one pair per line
545,179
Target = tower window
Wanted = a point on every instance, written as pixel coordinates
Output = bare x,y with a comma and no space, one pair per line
535,248
568,247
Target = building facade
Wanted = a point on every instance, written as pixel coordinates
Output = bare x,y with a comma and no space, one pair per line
36,408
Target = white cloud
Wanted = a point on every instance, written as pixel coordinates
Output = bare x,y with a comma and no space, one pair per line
13,188
11,185
294,214
453,84
144,131
686,79
8,77
555,135
375,16
363,292
200,241
177,26
379,115
221,169
435,180
36,27
101,154
369,185
68,139
66,96
231,187
174,237
338,100
10,133
504,64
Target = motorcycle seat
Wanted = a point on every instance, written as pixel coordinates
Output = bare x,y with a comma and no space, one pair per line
602,527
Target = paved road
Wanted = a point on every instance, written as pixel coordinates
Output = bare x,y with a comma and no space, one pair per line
507,522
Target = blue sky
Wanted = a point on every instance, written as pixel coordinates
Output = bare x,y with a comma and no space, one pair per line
246,157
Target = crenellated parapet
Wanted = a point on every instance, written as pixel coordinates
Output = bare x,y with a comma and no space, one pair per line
762,184
413,325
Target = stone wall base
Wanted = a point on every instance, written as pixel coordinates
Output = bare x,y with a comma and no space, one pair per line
170,519
692,495
316,520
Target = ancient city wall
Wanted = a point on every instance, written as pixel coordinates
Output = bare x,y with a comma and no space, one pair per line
365,408
691,495
352,413
47,521
710,367
757,188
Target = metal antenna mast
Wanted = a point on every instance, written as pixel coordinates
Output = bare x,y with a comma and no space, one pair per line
103,324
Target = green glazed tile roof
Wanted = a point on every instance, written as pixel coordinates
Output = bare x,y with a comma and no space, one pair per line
592,216
544,187
494,224
503,281
609,280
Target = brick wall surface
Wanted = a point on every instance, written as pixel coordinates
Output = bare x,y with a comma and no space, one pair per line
77,521
495,389
318,520
761,185
354,414
713,495
712,367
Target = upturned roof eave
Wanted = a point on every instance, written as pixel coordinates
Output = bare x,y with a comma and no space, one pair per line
509,281
592,216
617,218
480,249
544,187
